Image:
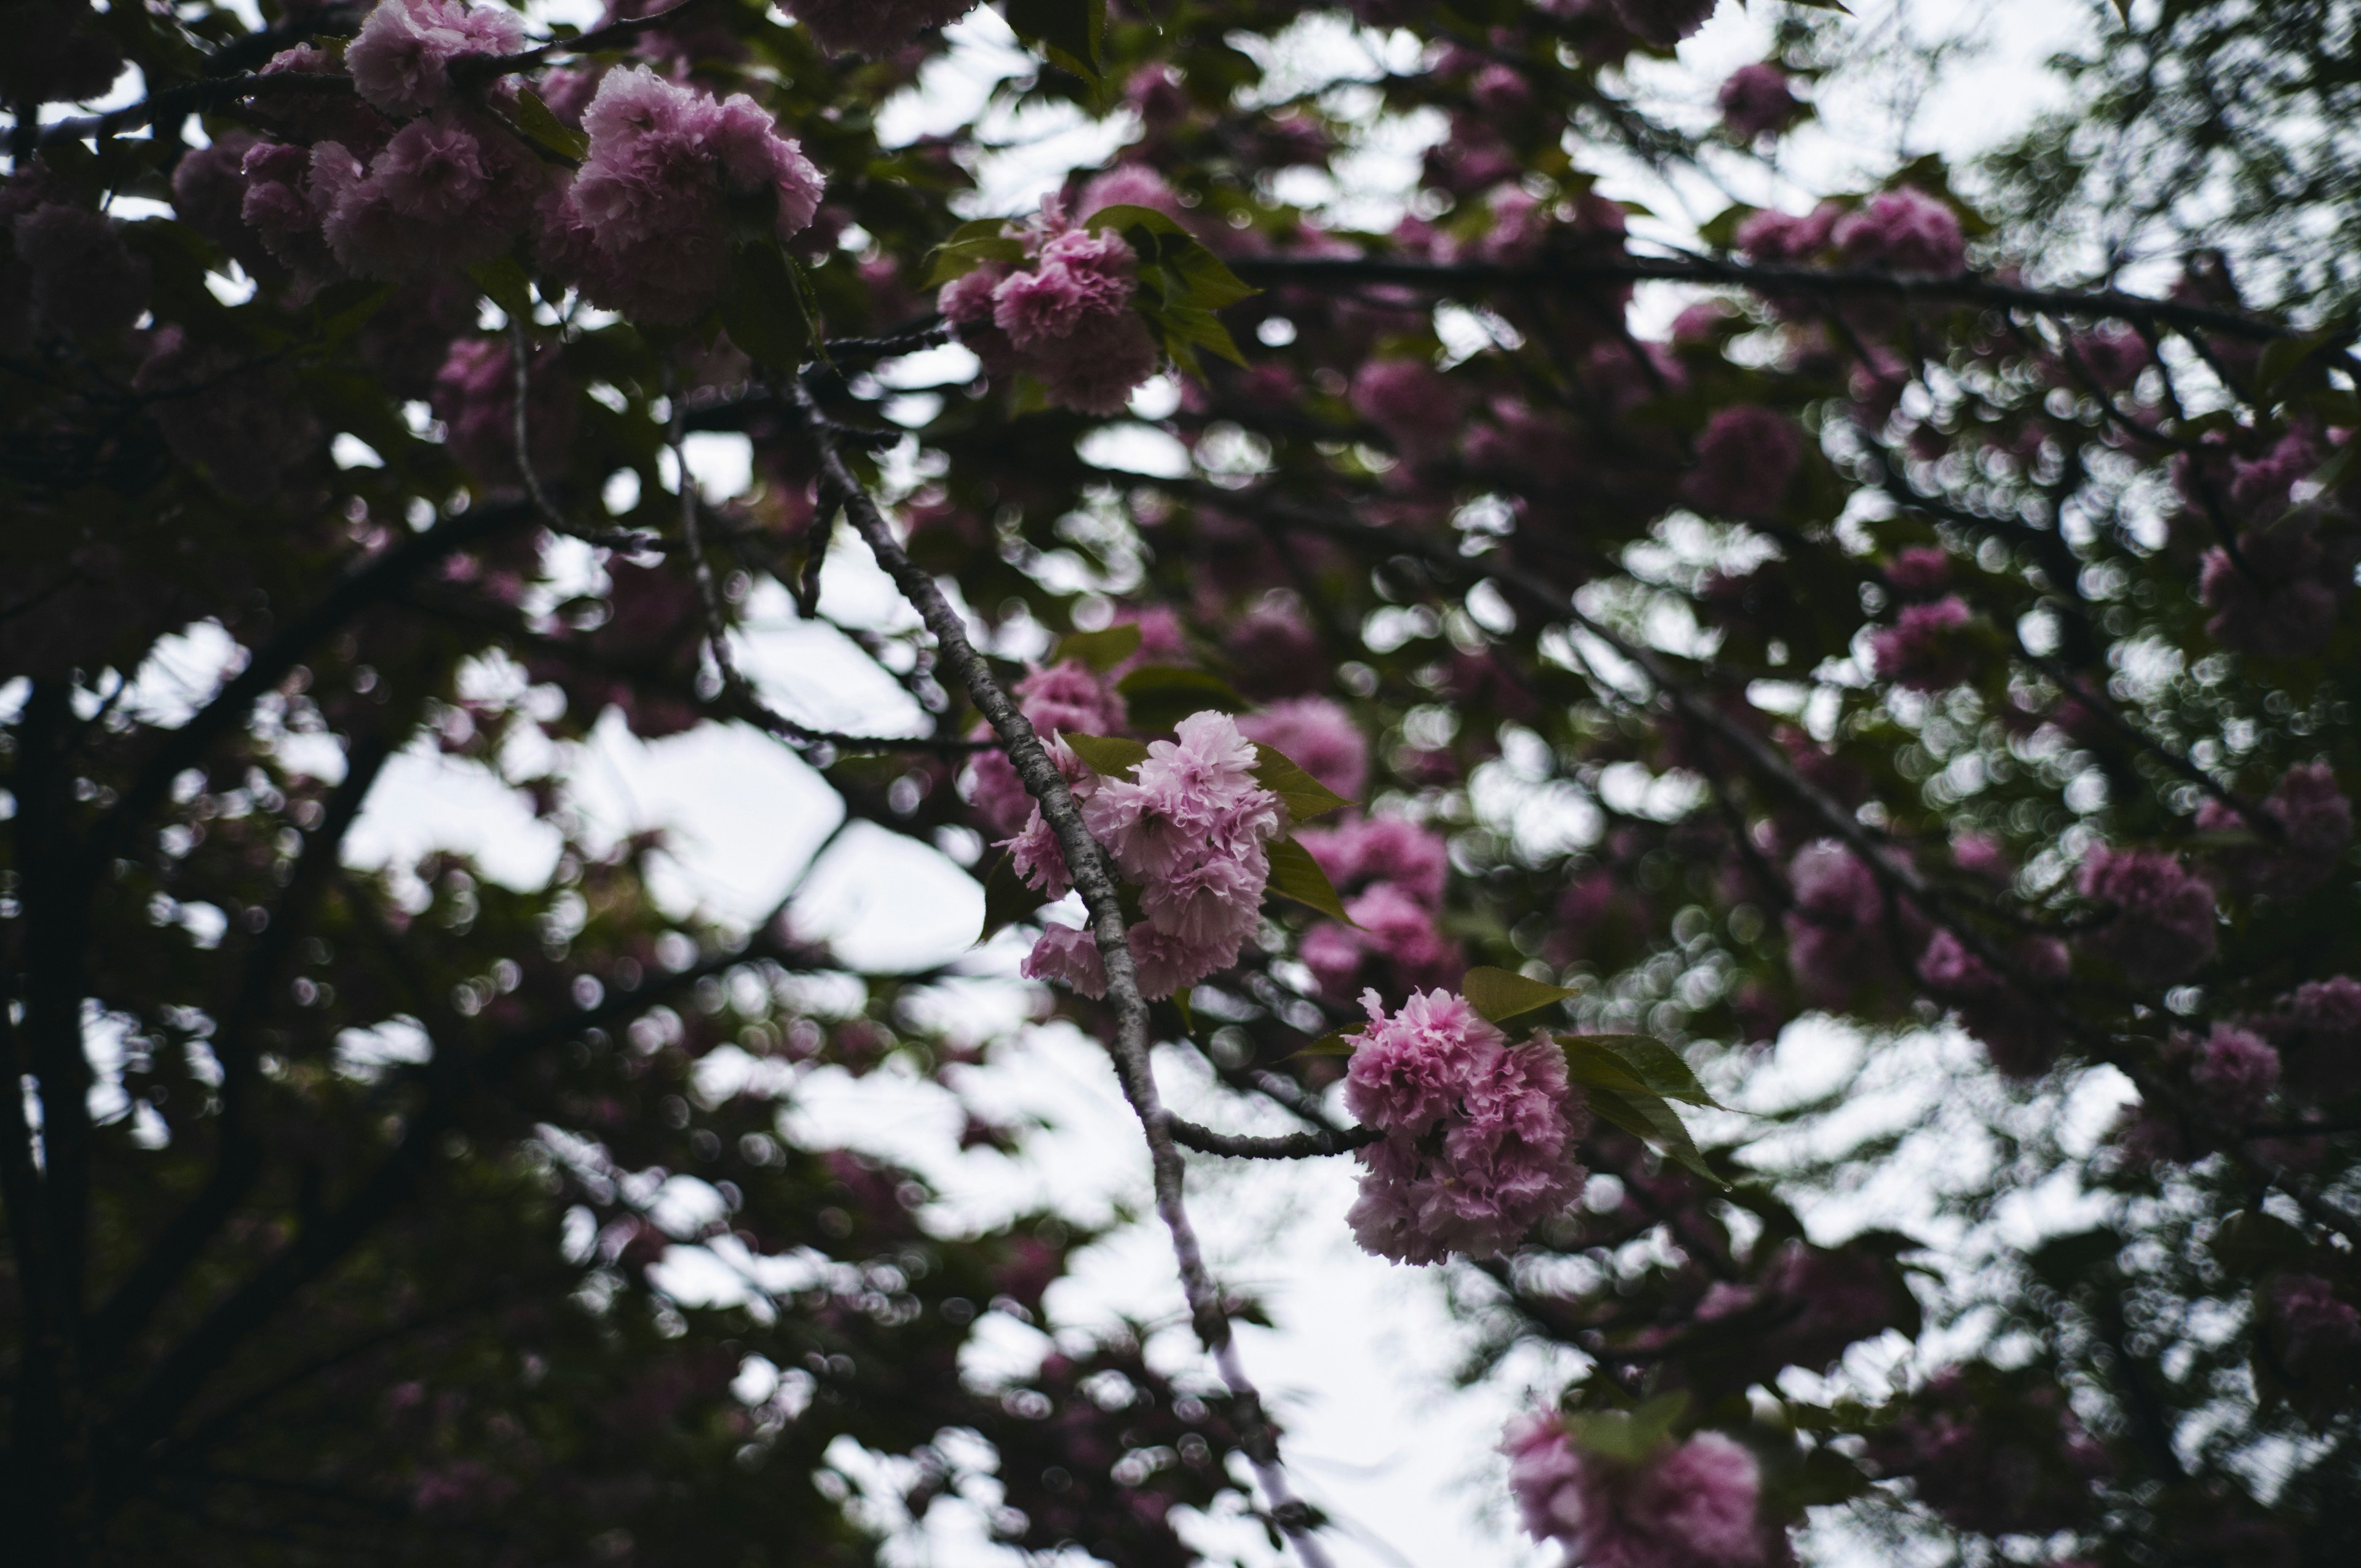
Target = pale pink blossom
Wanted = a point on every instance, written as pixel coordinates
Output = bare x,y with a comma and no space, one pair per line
1775,236
1390,849
1691,1505
1902,231
1923,648
446,192
1066,953
400,61
1480,1135
84,279
1319,737
646,224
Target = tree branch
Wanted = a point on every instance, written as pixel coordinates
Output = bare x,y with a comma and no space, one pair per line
1095,881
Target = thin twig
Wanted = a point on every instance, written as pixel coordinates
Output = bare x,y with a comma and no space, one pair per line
1094,879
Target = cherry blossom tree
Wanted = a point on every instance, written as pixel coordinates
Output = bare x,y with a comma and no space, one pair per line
1577,659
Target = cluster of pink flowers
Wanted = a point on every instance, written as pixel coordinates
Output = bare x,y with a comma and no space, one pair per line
2163,927
1410,402
1994,1459
875,27
1067,698
2315,823
646,226
1192,828
2314,1324
1919,572
83,278
421,178
1393,873
2318,1031
1690,1504
1479,1134
1756,100
2235,1070
475,396
1902,231
1923,648
2018,1031
400,61
1837,933
1319,737
1746,458
2280,595
1896,231
1065,318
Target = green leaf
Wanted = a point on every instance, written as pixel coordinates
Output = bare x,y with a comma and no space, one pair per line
1304,797
1160,695
1295,874
1181,1005
546,131
1653,1065
1165,245
1648,1117
1109,756
1501,995
1627,1436
343,309
1828,1477
1072,33
2282,356
1007,898
504,282
1102,650
970,247
764,310
1189,327
1332,1044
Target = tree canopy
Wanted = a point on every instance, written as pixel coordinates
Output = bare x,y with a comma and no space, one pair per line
1466,664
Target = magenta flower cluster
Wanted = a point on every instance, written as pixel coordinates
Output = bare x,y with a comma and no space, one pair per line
648,225
1479,1134
2163,926
1690,1504
1065,317
1192,830
2313,822
1756,100
1392,873
422,176
1746,459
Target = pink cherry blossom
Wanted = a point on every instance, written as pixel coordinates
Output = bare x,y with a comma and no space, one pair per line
1411,857
1480,1135
1922,648
1836,932
1068,954
1756,100
2163,927
2315,823
1775,236
1691,1505
1410,400
646,224
1746,459
2235,1070
444,192
1319,737
400,61
84,279
1902,231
